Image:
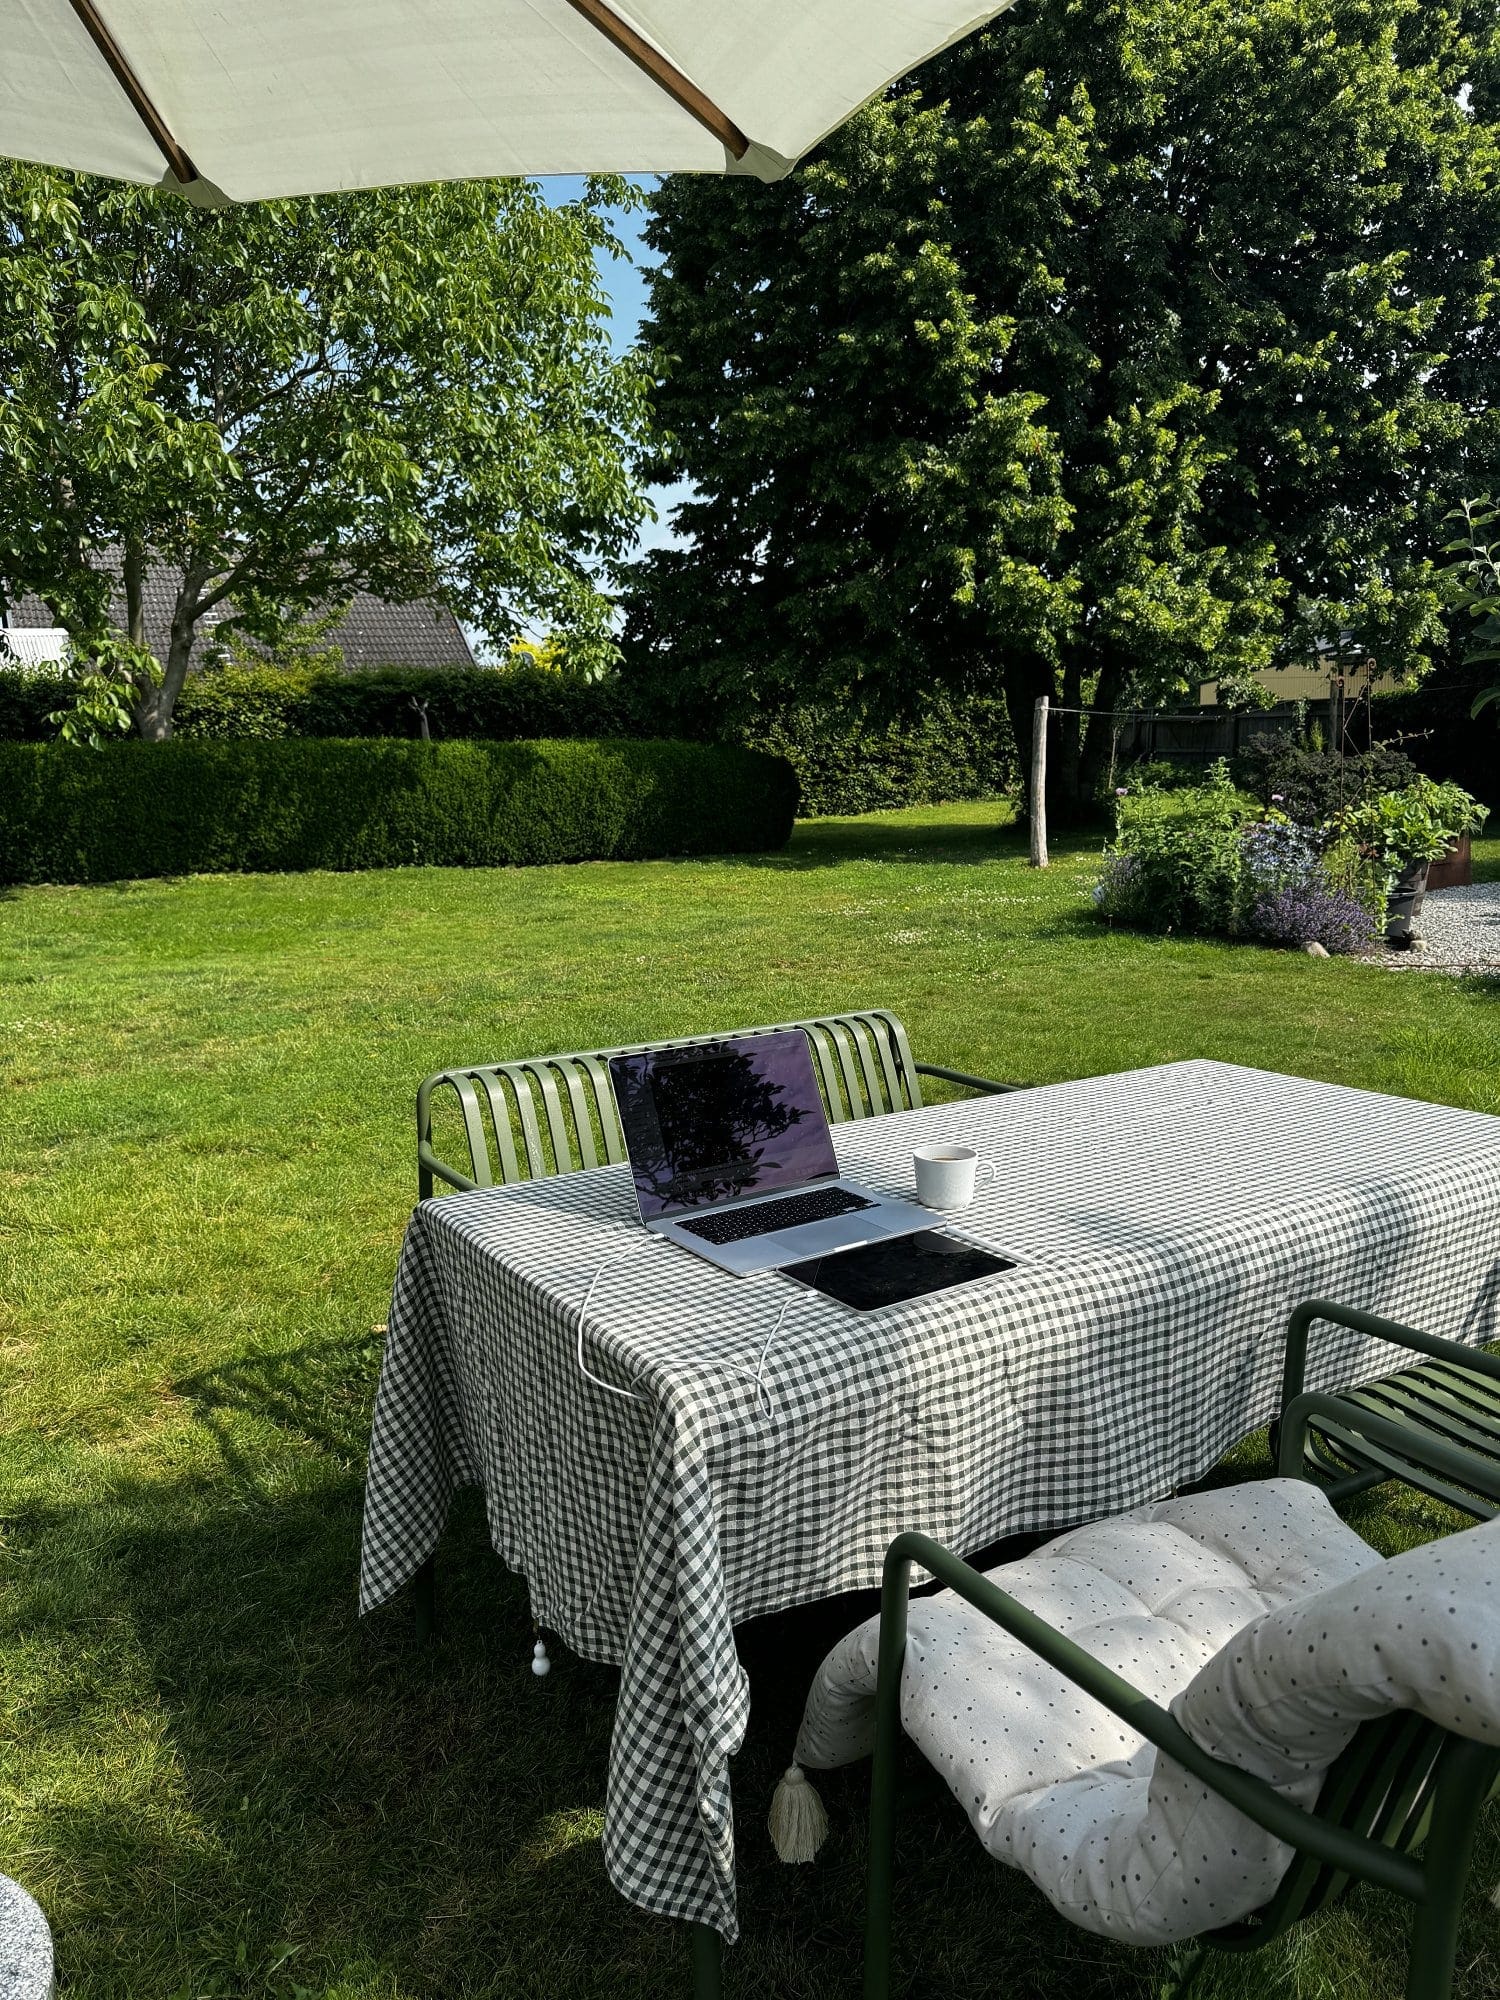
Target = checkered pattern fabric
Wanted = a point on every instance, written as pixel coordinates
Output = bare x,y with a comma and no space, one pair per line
1163,1224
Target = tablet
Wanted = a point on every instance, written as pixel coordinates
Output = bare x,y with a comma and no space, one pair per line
889,1273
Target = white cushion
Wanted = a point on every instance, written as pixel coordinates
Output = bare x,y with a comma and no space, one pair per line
1057,1786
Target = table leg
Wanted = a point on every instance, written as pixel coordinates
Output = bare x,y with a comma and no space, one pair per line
708,1963
424,1599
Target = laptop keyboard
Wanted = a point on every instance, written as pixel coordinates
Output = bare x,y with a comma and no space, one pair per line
734,1224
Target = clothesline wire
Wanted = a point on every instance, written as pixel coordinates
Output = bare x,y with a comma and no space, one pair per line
1206,714
1161,714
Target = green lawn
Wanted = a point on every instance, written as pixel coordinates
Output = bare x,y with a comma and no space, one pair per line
216,1779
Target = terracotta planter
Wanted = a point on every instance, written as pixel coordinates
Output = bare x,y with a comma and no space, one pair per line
1405,903
1456,869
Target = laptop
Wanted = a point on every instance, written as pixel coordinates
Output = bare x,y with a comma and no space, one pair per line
732,1158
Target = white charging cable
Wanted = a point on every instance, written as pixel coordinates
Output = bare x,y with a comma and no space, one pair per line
584,1369
762,1394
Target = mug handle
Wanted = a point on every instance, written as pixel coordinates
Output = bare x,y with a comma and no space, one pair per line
984,1166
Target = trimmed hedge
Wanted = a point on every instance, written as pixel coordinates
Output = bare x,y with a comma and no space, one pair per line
517,704
137,809
958,750
500,704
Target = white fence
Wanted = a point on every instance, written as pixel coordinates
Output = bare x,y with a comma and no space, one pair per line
32,645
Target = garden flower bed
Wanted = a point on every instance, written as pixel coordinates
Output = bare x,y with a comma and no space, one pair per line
1207,860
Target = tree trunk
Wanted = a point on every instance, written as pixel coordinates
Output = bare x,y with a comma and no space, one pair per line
133,575
1064,798
1102,742
154,716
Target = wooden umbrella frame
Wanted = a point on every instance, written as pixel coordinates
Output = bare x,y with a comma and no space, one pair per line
663,73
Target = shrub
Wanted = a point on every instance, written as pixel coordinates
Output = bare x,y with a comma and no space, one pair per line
1307,884
1184,860
256,702
493,704
1310,785
1277,852
1419,823
1122,895
1158,774
500,704
28,696
957,750
139,809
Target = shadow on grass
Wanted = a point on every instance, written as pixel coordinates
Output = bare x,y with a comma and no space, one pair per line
317,1395
267,1797
306,1805
964,843
332,1810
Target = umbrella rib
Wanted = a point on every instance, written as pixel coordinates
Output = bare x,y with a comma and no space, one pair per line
664,74
130,83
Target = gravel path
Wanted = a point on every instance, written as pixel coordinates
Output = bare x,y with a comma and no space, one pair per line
1462,931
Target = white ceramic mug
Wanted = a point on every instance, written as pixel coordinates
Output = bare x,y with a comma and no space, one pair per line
945,1175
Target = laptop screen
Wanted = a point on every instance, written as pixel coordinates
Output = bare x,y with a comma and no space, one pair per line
721,1120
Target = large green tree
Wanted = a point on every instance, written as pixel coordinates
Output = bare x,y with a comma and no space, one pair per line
1129,341
410,392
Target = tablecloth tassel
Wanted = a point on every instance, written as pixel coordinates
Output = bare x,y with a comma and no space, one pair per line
797,1821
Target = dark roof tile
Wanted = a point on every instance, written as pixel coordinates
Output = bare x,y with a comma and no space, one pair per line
372,633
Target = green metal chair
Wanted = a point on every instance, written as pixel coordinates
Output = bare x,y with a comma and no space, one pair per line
1435,1426
556,1114
1402,1783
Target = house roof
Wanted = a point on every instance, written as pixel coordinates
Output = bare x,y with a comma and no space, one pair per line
372,633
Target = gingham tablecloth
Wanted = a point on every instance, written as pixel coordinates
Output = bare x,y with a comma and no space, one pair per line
1164,1222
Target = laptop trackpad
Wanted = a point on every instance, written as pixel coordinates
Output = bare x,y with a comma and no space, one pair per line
840,1232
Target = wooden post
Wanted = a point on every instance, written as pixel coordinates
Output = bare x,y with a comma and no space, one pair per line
1039,782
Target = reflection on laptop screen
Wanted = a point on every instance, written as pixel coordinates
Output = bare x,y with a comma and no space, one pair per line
720,1121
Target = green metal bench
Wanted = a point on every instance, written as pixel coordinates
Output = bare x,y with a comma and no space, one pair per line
1402,1782
1435,1426
556,1114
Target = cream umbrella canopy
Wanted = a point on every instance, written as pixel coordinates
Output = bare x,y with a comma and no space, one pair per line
247,99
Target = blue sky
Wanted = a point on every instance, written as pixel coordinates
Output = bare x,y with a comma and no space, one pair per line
626,289
622,279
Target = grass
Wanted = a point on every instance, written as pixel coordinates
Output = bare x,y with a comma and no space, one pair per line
216,1779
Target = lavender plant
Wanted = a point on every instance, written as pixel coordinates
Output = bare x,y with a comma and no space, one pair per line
1312,911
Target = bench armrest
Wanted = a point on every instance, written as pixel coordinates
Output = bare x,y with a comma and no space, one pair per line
428,1163
1359,1321
961,1076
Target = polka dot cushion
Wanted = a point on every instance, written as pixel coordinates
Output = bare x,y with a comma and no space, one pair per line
1268,1627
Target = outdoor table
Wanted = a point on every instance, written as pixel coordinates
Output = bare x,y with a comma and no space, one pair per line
759,1445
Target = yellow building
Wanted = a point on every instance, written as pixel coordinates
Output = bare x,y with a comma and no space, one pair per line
1312,680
